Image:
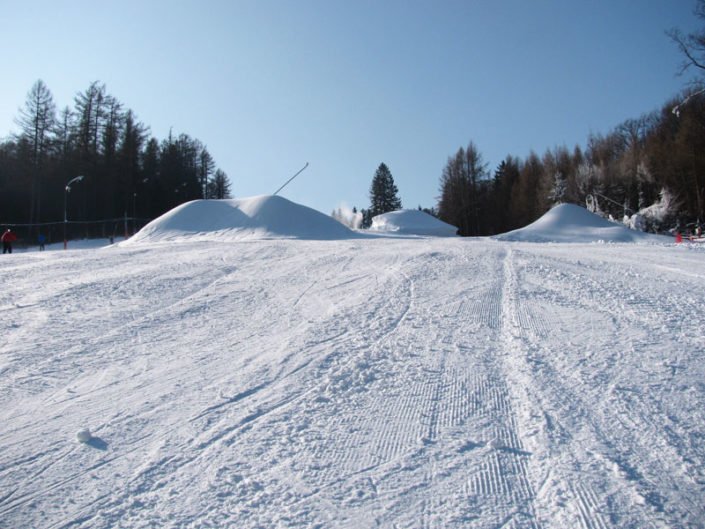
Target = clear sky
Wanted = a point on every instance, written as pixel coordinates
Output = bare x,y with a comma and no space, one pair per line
268,85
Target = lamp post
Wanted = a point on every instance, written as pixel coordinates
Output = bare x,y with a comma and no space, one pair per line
66,192
134,213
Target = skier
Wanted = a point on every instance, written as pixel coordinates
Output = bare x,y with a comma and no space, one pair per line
42,240
7,239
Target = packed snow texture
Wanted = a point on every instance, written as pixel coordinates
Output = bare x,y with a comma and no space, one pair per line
84,435
354,383
412,222
258,217
571,223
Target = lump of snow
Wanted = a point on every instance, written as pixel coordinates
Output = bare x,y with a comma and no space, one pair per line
260,217
412,222
84,435
571,223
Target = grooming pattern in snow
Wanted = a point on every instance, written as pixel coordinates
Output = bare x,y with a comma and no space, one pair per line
412,222
259,217
430,383
571,223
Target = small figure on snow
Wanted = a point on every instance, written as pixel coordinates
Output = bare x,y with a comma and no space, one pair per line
42,240
7,239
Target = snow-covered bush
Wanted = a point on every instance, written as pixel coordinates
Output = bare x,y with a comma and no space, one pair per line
658,216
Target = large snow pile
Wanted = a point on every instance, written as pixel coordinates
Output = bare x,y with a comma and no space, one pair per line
260,217
571,223
412,222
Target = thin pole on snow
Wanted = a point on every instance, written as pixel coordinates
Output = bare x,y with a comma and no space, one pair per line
290,179
66,193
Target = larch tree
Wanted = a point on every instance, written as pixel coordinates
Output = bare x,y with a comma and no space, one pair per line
461,181
219,187
36,121
206,166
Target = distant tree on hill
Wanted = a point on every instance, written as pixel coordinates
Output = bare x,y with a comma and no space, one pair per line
366,218
219,186
126,172
463,184
527,201
36,121
206,166
505,176
130,181
429,211
384,195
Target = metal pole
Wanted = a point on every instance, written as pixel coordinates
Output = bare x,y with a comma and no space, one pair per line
66,192
134,213
290,179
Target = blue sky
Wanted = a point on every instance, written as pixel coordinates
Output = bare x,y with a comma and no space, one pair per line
269,85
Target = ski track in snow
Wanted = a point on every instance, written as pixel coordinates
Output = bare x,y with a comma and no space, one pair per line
425,383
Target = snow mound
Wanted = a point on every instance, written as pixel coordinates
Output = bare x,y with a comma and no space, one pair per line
84,435
571,223
412,222
260,217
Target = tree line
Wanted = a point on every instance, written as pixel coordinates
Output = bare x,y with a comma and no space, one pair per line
649,170
127,172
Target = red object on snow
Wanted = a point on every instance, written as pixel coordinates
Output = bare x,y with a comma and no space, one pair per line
679,238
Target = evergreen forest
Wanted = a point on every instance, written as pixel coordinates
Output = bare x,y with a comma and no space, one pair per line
127,175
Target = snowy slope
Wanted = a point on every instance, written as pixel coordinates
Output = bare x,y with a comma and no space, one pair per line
412,222
571,223
380,382
258,217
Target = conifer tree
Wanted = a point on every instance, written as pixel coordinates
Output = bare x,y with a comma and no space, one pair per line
384,195
462,186
36,121
220,186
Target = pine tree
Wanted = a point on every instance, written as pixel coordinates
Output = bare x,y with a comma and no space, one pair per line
383,192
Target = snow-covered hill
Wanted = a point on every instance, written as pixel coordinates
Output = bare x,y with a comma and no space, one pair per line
261,217
352,383
571,223
411,222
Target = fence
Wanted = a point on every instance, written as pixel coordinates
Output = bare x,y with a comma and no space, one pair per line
53,232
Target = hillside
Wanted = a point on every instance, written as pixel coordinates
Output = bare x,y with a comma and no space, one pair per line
569,223
351,383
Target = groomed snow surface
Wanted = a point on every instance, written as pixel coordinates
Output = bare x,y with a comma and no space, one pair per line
357,382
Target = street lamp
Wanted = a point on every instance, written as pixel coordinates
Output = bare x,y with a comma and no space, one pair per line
66,191
134,213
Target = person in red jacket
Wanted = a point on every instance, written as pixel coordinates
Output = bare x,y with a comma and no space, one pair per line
7,239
